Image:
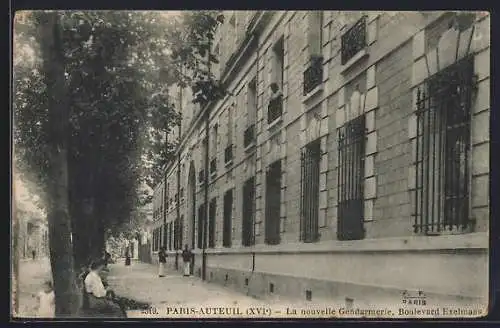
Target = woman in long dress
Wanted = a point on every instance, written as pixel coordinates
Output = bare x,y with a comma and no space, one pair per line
162,259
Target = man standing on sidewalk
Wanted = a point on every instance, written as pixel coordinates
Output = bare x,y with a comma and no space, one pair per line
186,259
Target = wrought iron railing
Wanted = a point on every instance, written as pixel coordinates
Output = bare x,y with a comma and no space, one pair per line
213,166
228,154
249,135
351,173
273,204
248,233
313,75
274,109
309,184
442,150
354,40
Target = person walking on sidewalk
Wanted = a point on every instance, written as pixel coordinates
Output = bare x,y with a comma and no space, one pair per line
186,259
162,259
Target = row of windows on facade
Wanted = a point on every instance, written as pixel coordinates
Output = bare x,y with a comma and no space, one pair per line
353,41
441,196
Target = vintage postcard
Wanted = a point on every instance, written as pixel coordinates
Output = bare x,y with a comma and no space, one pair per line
251,164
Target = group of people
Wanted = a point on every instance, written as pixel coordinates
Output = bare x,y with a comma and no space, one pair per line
187,256
97,296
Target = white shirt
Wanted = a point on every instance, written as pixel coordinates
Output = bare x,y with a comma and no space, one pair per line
93,285
46,306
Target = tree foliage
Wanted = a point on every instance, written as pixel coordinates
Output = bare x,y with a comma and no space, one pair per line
118,67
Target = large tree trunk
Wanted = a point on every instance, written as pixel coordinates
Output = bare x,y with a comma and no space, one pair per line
61,250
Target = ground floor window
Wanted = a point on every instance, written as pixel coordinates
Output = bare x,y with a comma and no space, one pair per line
442,193
309,201
351,172
211,222
227,218
248,236
273,203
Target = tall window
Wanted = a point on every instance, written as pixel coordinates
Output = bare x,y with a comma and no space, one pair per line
170,235
443,149
351,138
211,223
313,75
180,233
228,152
309,202
315,32
248,237
228,218
278,62
201,219
213,151
249,134
273,203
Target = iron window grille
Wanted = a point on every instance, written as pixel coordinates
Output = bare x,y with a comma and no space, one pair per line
354,40
201,219
313,75
211,223
309,184
351,156
248,233
274,109
201,176
213,166
227,221
228,154
442,194
249,136
273,204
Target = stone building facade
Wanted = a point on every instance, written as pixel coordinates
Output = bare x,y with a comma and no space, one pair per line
364,175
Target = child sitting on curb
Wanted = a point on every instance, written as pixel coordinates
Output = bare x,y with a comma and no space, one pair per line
46,301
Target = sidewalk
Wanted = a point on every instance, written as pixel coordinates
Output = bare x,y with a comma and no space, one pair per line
140,282
31,277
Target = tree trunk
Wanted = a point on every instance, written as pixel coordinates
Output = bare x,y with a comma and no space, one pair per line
61,250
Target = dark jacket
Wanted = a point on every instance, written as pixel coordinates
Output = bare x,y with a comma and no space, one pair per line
186,255
162,257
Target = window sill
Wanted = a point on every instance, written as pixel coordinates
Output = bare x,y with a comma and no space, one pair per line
275,123
414,243
213,175
250,146
351,62
228,163
313,92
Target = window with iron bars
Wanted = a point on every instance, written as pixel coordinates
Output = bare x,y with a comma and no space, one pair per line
442,194
309,183
201,219
248,234
274,109
354,40
228,154
351,172
211,222
228,218
313,75
249,135
273,204
213,166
